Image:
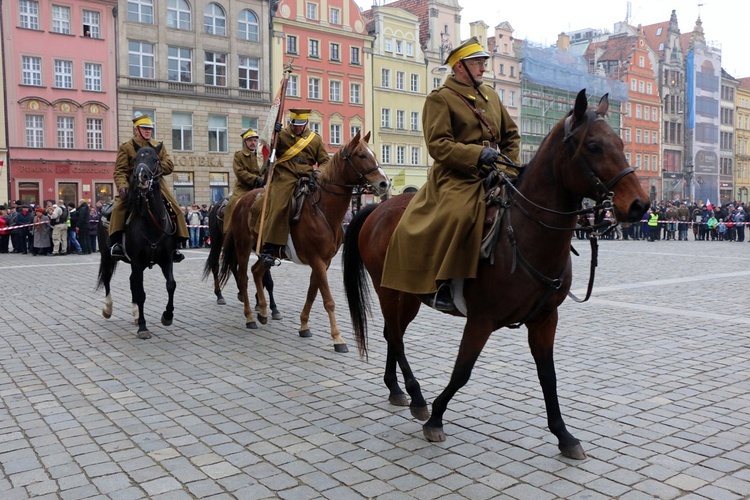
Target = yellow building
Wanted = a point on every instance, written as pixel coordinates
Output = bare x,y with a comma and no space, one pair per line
742,140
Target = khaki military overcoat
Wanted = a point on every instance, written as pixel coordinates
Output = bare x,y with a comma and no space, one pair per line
285,175
246,172
440,234
124,168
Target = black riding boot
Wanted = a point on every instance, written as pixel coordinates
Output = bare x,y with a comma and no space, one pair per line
268,255
176,254
443,300
116,250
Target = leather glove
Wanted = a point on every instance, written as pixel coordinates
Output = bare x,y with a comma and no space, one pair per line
123,193
278,127
488,156
260,182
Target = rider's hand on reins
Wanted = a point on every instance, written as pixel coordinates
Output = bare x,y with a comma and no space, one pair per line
123,193
488,156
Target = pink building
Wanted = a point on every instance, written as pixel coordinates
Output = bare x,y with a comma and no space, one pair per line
61,99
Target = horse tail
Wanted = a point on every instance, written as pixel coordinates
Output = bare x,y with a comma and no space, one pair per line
228,264
215,232
355,284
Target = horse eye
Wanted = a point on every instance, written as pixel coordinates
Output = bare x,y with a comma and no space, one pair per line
593,147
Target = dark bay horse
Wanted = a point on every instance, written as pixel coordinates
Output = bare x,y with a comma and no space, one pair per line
211,267
149,239
581,157
315,238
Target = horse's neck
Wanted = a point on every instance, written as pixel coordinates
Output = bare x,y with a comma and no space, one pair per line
333,200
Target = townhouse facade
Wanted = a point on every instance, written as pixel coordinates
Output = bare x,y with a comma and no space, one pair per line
742,140
727,191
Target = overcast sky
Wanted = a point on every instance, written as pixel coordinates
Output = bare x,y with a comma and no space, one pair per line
542,21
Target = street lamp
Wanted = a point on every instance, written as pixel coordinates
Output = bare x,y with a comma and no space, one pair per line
688,171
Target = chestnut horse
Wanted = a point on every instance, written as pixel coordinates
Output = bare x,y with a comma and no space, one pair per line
530,275
314,240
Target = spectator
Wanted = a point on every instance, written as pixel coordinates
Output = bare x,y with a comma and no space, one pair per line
204,224
4,231
58,219
82,226
711,225
25,218
739,223
73,244
194,220
92,228
42,232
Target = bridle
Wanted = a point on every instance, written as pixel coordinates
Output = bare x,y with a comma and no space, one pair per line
155,174
361,183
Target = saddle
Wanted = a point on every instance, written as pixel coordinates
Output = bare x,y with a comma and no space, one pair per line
304,187
496,202
106,212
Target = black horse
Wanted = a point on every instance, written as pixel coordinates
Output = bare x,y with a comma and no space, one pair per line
216,233
149,239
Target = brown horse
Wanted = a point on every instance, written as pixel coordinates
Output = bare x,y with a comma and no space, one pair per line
315,238
581,157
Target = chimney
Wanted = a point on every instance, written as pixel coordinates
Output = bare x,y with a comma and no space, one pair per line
563,42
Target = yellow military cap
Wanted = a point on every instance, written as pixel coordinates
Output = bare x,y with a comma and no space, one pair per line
299,116
143,121
470,49
248,134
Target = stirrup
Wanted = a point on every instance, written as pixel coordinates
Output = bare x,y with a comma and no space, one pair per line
442,300
177,256
117,252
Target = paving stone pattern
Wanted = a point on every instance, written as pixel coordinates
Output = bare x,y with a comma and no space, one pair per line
654,379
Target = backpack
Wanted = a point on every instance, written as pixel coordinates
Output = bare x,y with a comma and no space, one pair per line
64,215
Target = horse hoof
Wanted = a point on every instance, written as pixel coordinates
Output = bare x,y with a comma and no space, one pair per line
434,434
575,452
340,348
398,400
252,325
263,319
144,335
106,314
275,315
221,301
165,320
305,333
421,413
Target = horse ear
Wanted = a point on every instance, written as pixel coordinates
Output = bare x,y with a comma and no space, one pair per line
159,148
581,105
366,138
357,137
603,105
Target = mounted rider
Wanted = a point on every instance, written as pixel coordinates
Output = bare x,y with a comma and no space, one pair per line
466,127
143,128
246,172
298,150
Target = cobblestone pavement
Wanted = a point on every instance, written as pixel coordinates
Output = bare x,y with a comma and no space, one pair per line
654,379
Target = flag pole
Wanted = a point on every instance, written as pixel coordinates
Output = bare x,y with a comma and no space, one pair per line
272,158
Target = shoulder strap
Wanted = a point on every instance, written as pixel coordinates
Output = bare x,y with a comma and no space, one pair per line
482,119
296,148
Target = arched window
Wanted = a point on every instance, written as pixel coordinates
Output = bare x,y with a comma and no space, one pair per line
247,26
215,20
178,15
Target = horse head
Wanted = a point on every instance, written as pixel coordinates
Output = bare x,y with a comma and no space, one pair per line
147,170
361,165
595,165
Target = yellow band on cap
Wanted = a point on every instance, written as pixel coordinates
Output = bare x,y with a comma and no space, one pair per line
249,134
299,116
143,121
464,52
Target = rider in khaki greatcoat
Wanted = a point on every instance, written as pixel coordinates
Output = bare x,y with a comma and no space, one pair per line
143,128
247,172
465,128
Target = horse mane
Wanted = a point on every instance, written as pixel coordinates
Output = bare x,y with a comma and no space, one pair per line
333,166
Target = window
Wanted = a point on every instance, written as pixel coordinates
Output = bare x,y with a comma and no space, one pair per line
388,45
334,16
354,130
141,11
249,122
641,87
633,85
385,154
214,20
313,48
334,91
249,69
335,52
399,47
649,88
385,77
414,156
180,64
385,118
400,80
92,77
415,121
400,154
414,83
638,111
355,93
292,86
31,67
63,74
355,55
217,134
436,82
90,24
215,68
638,136
140,59
409,49
400,119
178,15
312,11
34,131
94,133
313,88
65,132
291,44
335,133
61,19
29,11
645,163
315,127
512,99
647,137
247,26
641,61
655,114
182,131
